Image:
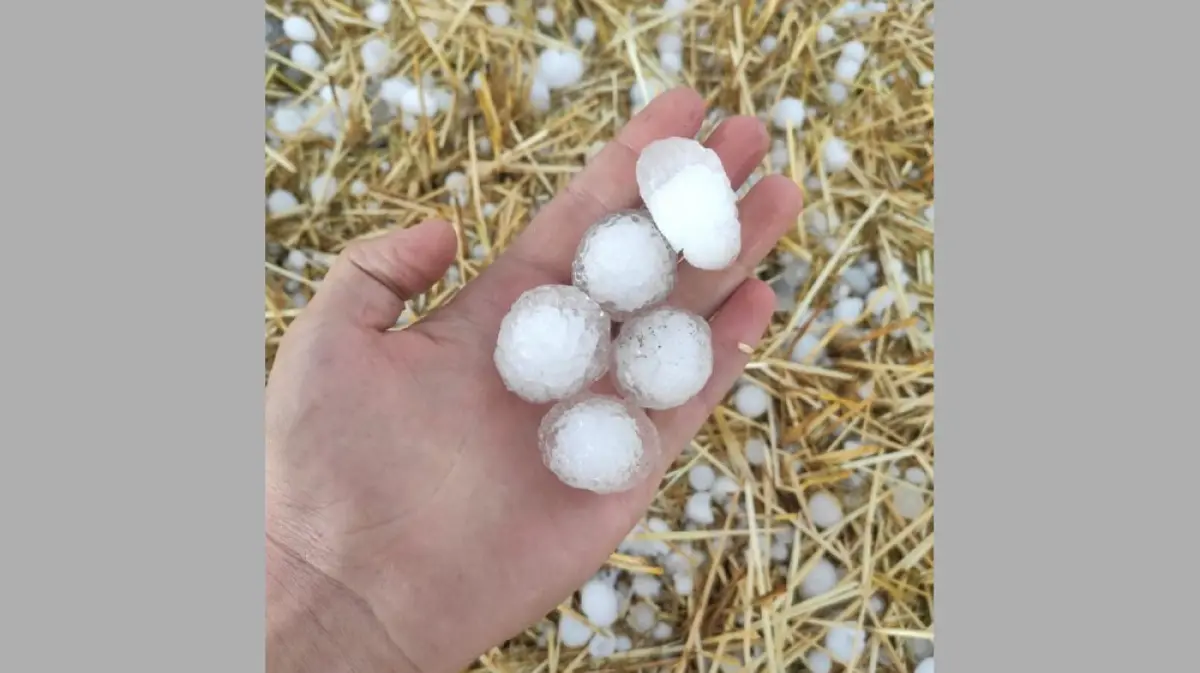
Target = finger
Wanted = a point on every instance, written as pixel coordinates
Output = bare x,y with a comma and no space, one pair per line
370,281
551,240
742,319
607,183
766,214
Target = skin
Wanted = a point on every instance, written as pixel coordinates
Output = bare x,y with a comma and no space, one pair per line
411,524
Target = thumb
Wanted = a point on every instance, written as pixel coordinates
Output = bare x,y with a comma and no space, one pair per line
371,279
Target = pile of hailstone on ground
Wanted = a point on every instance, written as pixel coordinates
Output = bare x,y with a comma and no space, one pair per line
795,531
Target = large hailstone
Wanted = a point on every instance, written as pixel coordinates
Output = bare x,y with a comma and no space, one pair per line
687,192
624,264
598,443
553,343
663,357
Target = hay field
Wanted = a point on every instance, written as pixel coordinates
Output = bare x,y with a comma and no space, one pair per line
851,411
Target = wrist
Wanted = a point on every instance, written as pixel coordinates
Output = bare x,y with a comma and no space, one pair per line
316,624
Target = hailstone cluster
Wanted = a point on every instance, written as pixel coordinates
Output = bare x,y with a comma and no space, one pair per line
556,340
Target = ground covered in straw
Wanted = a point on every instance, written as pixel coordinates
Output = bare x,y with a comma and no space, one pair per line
848,361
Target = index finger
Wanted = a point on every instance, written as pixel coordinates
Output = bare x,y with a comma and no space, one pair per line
607,183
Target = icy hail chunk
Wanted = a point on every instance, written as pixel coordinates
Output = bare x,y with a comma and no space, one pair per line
598,443
687,192
553,343
624,264
663,357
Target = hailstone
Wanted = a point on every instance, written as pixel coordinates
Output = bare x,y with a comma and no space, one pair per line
624,264
687,192
663,357
552,344
598,443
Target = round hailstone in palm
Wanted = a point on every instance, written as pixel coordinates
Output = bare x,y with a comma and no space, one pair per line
553,343
624,264
598,443
663,357
687,192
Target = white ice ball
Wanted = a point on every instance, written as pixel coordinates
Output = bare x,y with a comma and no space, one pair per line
598,602
499,14
323,188
807,348
908,501
699,508
559,68
379,12
598,443
663,357
303,55
701,477
641,617
825,509
281,201
683,583
601,646
788,109
647,586
825,33
573,632
624,264
836,155
845,642
751,401
376,55
818,662
585,30
691,200
545,16
756,451
553,343
820,580
299,29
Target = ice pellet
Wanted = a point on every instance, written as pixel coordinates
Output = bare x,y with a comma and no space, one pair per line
687,192
624,264
598,443
663,357
553,343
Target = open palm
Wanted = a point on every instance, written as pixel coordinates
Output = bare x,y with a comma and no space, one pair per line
401,469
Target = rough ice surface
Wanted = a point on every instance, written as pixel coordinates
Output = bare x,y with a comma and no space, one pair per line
663,357
553,343
598,443
598,602
624,264
845,642
573,632
820,580
687,192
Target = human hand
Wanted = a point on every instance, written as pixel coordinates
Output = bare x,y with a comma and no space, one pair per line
411,523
